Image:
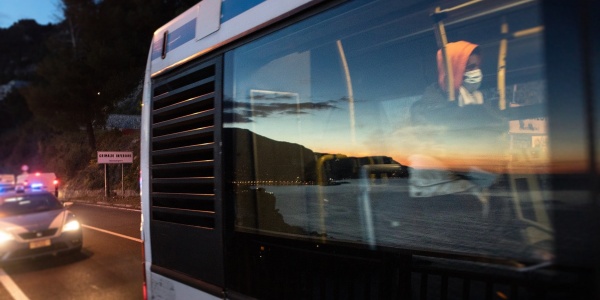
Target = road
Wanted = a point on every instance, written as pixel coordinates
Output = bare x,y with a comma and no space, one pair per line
108,267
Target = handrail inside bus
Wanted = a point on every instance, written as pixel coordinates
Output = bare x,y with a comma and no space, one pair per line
442,40
502,52
460,6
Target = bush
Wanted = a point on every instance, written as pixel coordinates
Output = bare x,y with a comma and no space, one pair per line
68,155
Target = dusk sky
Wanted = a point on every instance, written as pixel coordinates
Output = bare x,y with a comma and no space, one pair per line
43,11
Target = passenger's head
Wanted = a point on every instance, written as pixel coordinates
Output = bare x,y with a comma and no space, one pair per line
465,58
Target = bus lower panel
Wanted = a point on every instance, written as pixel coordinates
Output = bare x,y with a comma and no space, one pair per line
185,279
268,271
199,258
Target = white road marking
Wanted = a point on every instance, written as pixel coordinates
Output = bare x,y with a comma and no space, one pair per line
113,233
11,287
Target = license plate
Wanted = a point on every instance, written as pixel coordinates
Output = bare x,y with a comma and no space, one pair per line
39,244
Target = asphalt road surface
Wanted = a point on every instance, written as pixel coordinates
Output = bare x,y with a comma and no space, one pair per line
108,267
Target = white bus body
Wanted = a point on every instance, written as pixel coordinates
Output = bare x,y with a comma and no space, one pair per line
315,149
202,29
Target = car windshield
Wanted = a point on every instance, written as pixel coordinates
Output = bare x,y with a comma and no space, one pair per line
27,204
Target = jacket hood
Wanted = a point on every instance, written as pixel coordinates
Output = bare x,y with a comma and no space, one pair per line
458,53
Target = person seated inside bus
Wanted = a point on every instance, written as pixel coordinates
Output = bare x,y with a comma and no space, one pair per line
455,133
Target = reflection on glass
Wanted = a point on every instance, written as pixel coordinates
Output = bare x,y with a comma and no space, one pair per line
347,133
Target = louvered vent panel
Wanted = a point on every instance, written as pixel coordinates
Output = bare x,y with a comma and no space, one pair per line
186,221
183,141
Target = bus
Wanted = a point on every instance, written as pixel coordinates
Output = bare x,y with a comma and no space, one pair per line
373,149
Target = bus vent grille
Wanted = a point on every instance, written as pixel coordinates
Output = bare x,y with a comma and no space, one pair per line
182,159
185,168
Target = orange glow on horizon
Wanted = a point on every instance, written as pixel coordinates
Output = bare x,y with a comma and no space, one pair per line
541,164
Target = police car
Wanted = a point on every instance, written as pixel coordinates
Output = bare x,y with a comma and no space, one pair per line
34,224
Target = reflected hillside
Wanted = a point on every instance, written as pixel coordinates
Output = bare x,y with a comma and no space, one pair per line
258,159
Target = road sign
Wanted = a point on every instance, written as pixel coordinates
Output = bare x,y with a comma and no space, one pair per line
115,157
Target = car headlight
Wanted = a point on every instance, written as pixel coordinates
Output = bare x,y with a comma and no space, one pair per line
5,237
71,226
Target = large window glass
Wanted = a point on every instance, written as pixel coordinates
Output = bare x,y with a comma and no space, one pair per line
345,127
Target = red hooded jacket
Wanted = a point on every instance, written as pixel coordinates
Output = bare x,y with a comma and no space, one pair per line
458,53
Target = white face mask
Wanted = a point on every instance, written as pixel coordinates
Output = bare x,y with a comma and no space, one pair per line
472,80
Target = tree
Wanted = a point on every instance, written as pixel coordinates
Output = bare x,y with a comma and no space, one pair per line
65,95
13,111
22,47
119,52
84,66
96,60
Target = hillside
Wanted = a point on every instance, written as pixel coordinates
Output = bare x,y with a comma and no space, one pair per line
258,158
22,47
